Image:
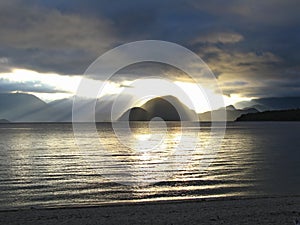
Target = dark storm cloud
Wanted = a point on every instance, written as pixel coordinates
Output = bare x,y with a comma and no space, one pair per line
267,12
252,46
49,40
148,70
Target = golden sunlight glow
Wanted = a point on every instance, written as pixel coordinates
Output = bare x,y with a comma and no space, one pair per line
65,86
59,82
142,137
188,93
235,98
194,91
203,97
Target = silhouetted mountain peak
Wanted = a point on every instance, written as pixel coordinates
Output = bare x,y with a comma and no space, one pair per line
160,107
135,114
168,108
230,107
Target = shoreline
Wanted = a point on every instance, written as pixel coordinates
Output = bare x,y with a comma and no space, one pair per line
249,210
149,202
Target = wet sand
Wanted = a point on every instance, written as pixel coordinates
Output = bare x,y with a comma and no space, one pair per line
277,210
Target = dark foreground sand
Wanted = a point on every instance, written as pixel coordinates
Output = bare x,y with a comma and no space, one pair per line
279,211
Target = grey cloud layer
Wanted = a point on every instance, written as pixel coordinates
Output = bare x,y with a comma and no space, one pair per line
252,46
219,37
49,40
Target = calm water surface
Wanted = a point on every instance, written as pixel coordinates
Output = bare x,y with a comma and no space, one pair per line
41,166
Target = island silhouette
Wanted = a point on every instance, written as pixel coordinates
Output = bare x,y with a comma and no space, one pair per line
276,115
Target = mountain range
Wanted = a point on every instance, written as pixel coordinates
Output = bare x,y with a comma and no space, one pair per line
231,113
20,107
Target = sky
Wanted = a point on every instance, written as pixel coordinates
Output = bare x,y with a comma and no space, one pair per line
252,47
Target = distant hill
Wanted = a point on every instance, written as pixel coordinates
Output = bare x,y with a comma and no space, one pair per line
167,108
278,115
279,103
20,107
61,110
4,121
231,113
266,104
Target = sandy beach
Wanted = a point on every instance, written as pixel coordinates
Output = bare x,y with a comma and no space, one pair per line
279,210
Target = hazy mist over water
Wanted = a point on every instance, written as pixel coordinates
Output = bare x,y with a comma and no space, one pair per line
41,166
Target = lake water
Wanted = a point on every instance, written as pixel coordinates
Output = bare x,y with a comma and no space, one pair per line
42,166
